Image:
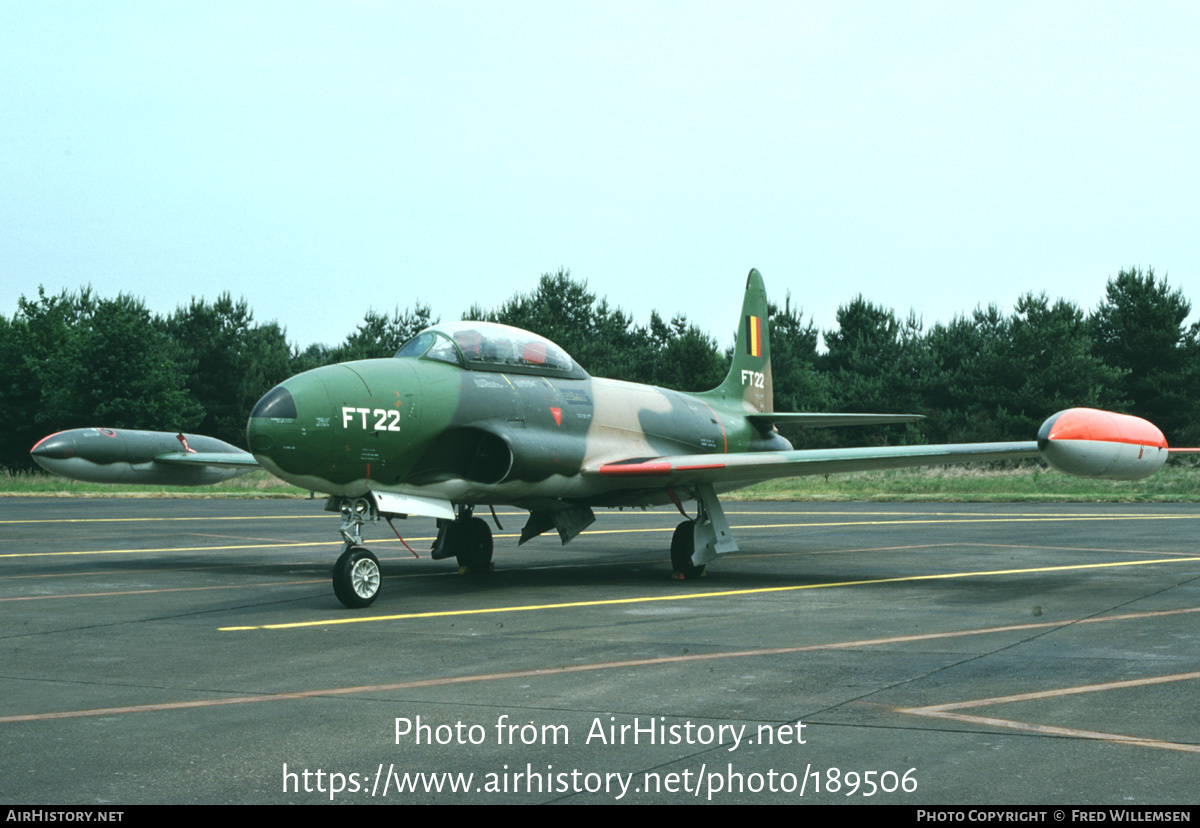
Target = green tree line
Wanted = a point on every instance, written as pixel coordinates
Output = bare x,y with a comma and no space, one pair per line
76,359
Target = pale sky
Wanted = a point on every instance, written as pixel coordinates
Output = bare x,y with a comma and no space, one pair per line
323,158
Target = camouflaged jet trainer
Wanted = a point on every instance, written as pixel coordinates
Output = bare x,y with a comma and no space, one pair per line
475,414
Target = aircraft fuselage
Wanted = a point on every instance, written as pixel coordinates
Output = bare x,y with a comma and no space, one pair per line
428,428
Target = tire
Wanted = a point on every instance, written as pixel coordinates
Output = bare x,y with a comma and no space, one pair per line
356,578
683,544
472,540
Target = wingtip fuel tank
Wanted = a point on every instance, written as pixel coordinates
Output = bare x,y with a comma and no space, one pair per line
1086,442
118,455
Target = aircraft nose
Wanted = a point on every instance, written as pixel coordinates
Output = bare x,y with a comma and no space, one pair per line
289,428
276,406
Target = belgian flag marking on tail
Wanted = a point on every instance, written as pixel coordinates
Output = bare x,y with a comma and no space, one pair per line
754,336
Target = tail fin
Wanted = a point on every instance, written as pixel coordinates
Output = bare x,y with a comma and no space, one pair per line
749,377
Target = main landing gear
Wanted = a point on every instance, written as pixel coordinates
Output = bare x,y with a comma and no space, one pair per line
696,542
468,540
683,544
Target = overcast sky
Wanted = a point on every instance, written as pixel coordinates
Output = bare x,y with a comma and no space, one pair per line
323,158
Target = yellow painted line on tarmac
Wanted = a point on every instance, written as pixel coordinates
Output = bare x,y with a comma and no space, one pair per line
730,510
544,672
968,518
319,516
114,593
945,711
916,521
696,595
923,514
1040,548
325,515
739,527
333,544
170,549
978,519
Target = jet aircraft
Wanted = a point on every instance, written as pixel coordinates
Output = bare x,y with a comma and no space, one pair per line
474,414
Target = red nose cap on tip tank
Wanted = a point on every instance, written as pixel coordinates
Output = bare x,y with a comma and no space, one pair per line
1101,426
1085,442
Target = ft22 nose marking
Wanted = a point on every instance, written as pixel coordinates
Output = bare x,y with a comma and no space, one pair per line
386,419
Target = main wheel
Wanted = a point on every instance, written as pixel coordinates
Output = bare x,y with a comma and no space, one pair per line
356,577
683,544
472,542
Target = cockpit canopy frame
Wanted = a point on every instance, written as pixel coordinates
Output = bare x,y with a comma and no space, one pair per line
490,346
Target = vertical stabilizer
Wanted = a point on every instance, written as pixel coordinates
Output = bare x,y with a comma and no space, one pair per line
749,377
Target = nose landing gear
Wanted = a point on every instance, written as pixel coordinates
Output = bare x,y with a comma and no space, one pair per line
356,575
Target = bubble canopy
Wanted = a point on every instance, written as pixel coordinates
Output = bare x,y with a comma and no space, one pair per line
488,346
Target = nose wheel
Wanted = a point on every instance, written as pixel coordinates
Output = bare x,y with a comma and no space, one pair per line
356,577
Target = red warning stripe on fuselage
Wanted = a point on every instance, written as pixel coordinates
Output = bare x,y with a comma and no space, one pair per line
653,468
630,469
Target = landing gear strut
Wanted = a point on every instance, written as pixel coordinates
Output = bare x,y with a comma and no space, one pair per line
356,575
696,542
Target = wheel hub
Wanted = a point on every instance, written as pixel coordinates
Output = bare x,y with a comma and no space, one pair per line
364,578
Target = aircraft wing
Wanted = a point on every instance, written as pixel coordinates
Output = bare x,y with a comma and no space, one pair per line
822,420
1079,441
765,465
227,459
